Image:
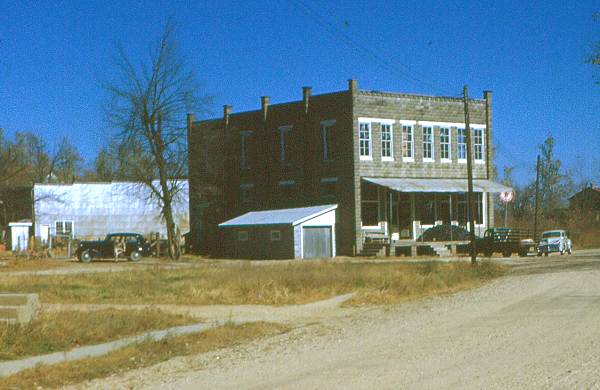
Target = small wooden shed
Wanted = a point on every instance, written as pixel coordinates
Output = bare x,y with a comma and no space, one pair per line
297,233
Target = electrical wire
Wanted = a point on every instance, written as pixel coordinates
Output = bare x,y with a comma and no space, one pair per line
400,69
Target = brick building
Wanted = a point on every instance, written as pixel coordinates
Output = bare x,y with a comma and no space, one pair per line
394,163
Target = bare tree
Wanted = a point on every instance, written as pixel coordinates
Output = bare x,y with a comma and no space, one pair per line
148,104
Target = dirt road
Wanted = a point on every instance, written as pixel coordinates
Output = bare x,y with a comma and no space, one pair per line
537,328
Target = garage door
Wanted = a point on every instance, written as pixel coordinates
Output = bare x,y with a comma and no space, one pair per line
317,242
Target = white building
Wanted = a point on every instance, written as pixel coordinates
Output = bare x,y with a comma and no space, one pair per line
91,210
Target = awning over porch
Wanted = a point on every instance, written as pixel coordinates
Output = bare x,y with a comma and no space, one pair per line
437,185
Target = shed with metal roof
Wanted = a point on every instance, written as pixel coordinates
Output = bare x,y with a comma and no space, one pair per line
298,233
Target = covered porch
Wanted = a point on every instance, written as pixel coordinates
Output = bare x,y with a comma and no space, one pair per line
403,211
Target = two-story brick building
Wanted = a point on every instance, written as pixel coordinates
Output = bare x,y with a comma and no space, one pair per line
394,163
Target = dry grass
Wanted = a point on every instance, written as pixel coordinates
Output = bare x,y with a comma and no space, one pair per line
12,263
141,355
243,283
63,330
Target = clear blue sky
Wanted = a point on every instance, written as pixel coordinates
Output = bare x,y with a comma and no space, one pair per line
530,54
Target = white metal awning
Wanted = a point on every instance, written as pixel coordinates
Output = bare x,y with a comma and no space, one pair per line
437,185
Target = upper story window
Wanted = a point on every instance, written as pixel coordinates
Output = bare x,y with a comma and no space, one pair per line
364,137
427,143
408,149
445,144
244,148
478,143
284,145
327,137
64,228
461,143
387,143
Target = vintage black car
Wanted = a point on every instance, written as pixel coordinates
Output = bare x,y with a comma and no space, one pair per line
135,247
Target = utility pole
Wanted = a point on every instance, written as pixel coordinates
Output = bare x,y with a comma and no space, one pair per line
537,191
470,197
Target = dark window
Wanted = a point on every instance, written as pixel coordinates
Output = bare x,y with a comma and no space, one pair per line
425,208
328,143
369,204
328,187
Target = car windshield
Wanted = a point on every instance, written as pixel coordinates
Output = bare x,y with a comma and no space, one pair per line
551,234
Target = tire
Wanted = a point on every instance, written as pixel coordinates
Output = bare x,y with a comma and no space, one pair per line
85,257
569,251
488,253
546,254
562,252
506,254
135,256
539,254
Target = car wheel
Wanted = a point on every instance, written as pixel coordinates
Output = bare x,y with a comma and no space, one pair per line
85,257
569,251
135,256
507,254
546,254
488,253
539,254
562,252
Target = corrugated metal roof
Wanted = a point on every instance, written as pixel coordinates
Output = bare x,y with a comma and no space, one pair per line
279,217
437,185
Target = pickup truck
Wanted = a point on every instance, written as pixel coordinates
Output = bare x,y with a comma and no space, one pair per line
135,247
506,241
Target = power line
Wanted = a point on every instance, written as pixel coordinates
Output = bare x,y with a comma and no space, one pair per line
406,73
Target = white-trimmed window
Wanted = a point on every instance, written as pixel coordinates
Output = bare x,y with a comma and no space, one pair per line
242,235
408,148
387,142
275,235
461,143
244,147
478,143
364,139
246,191
327,137
284,144
445,144
64,227
428,143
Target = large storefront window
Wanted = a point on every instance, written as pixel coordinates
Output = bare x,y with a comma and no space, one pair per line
425,208
459,205
369,204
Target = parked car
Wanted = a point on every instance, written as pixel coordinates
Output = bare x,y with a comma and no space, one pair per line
554,241
135,247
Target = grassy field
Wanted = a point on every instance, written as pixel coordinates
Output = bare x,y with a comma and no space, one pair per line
273,284
11,263
141,355
63,330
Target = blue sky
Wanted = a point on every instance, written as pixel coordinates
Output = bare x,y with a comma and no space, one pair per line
53,56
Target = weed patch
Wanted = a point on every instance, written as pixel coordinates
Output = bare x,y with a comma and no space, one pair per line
64,330
138,356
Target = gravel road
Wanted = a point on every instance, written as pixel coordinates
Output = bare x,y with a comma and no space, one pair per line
536,328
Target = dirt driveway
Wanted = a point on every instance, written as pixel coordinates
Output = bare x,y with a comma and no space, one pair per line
537,328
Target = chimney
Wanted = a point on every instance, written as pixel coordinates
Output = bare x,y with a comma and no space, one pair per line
190,121
226,113
306,92
264,101
352,85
